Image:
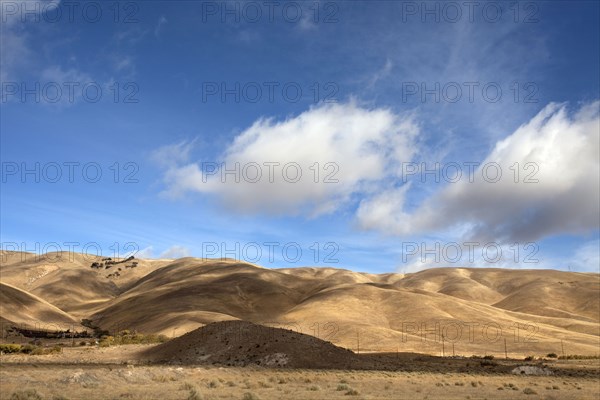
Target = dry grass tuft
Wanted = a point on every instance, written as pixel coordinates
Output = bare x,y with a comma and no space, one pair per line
28,394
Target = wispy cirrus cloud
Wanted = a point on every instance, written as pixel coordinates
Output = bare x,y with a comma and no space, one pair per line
162,21
15,42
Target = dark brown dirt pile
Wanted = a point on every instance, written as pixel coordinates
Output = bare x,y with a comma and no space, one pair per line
241,343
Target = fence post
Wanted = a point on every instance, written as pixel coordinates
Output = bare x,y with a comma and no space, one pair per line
443,347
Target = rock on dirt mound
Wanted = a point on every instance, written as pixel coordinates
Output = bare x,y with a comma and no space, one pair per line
241,343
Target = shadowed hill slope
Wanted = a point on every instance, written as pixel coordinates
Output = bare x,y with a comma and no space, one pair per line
26,310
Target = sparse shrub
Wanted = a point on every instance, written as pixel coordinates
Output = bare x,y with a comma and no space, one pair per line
551,355
106,340
186,386
88,323
314,388
529,358
194,395
163,379
250,396
127,337
488,357
38,351
488,363
99,333
10,348
212,384
352,392
529,391
342,387
28,348
59,397
83,343
29,394
578,357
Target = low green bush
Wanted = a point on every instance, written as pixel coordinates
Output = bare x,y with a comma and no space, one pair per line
578,357
126,337
29,349
10,348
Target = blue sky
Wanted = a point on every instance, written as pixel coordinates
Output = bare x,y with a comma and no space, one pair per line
369,94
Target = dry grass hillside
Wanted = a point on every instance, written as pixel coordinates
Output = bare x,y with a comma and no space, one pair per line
18,307
468,311
66,279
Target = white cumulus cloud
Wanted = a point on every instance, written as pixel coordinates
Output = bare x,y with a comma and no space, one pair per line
310,164
556,190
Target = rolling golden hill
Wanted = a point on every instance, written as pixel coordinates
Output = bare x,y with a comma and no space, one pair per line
450,310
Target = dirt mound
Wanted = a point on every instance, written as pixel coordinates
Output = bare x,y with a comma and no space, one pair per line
241,343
